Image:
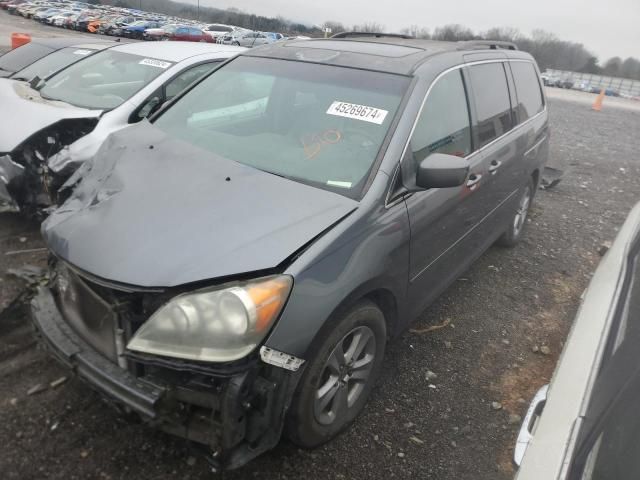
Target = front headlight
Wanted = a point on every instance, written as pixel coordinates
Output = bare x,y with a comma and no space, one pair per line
214,325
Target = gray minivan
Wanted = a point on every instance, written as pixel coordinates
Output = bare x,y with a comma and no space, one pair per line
234,267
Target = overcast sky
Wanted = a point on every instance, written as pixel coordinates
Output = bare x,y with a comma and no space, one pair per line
607,28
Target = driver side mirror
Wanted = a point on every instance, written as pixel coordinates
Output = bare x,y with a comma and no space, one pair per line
440,170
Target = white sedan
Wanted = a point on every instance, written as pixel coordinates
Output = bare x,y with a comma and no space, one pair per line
61,123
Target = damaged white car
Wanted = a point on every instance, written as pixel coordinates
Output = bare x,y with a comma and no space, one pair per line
53,126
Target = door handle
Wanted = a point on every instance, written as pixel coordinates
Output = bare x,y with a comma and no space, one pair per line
474,178
495,165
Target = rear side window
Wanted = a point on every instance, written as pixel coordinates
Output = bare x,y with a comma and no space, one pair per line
444,126
527,89
491,96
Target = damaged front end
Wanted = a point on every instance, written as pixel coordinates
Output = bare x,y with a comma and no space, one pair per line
26,181
236,409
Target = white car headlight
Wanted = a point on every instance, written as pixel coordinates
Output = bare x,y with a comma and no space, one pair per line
214,325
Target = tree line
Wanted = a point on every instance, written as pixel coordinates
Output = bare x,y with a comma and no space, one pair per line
548,50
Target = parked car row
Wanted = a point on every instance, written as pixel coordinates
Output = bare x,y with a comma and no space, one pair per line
135,24
232,267
584,86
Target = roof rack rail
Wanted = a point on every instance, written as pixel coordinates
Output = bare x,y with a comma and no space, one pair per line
371,34
486,44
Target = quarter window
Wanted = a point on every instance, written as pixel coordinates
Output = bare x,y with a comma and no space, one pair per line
527,89
444,125
491,95
186,78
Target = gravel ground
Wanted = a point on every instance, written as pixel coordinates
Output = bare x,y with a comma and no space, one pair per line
432,414
16,24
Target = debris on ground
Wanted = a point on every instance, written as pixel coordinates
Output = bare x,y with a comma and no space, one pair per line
430,375
444,324
29,273
550,177
545,350
496,405
416,440
514,419
25,251
604,248
58,382
36,389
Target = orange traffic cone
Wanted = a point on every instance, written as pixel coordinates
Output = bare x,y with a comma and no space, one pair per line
597,105
19,39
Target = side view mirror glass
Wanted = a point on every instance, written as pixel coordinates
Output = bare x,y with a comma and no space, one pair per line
440,170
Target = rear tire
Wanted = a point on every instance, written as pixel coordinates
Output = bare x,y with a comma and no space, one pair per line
512,236
339,377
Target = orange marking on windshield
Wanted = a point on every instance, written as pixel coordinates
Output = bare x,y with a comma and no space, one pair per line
313,144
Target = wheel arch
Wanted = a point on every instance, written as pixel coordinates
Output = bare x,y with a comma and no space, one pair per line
380,296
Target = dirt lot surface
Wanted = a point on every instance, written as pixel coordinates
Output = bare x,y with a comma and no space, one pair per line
417,425
16,24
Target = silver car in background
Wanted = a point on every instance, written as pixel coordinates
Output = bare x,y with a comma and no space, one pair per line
585,424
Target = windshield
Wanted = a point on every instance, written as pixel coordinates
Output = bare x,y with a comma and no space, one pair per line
19,58
104,80
318,124
52,63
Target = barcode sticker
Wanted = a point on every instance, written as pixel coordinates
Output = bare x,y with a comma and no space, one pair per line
155,63
358,112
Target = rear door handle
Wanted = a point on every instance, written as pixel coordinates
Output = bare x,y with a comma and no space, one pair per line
474,178
495,165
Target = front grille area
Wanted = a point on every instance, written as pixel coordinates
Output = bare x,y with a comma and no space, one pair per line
93,319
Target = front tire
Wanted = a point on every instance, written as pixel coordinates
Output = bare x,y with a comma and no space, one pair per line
338,380
512,236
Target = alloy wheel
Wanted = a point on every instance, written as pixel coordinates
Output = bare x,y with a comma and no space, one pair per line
523,209
344,375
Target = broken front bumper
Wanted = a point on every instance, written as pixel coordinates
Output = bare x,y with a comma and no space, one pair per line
238,415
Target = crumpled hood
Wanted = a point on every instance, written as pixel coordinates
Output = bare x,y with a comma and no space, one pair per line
152,211
24,112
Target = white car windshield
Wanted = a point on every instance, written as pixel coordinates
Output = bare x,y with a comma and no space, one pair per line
104,80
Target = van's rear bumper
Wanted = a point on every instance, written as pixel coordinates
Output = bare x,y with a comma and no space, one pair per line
238,416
